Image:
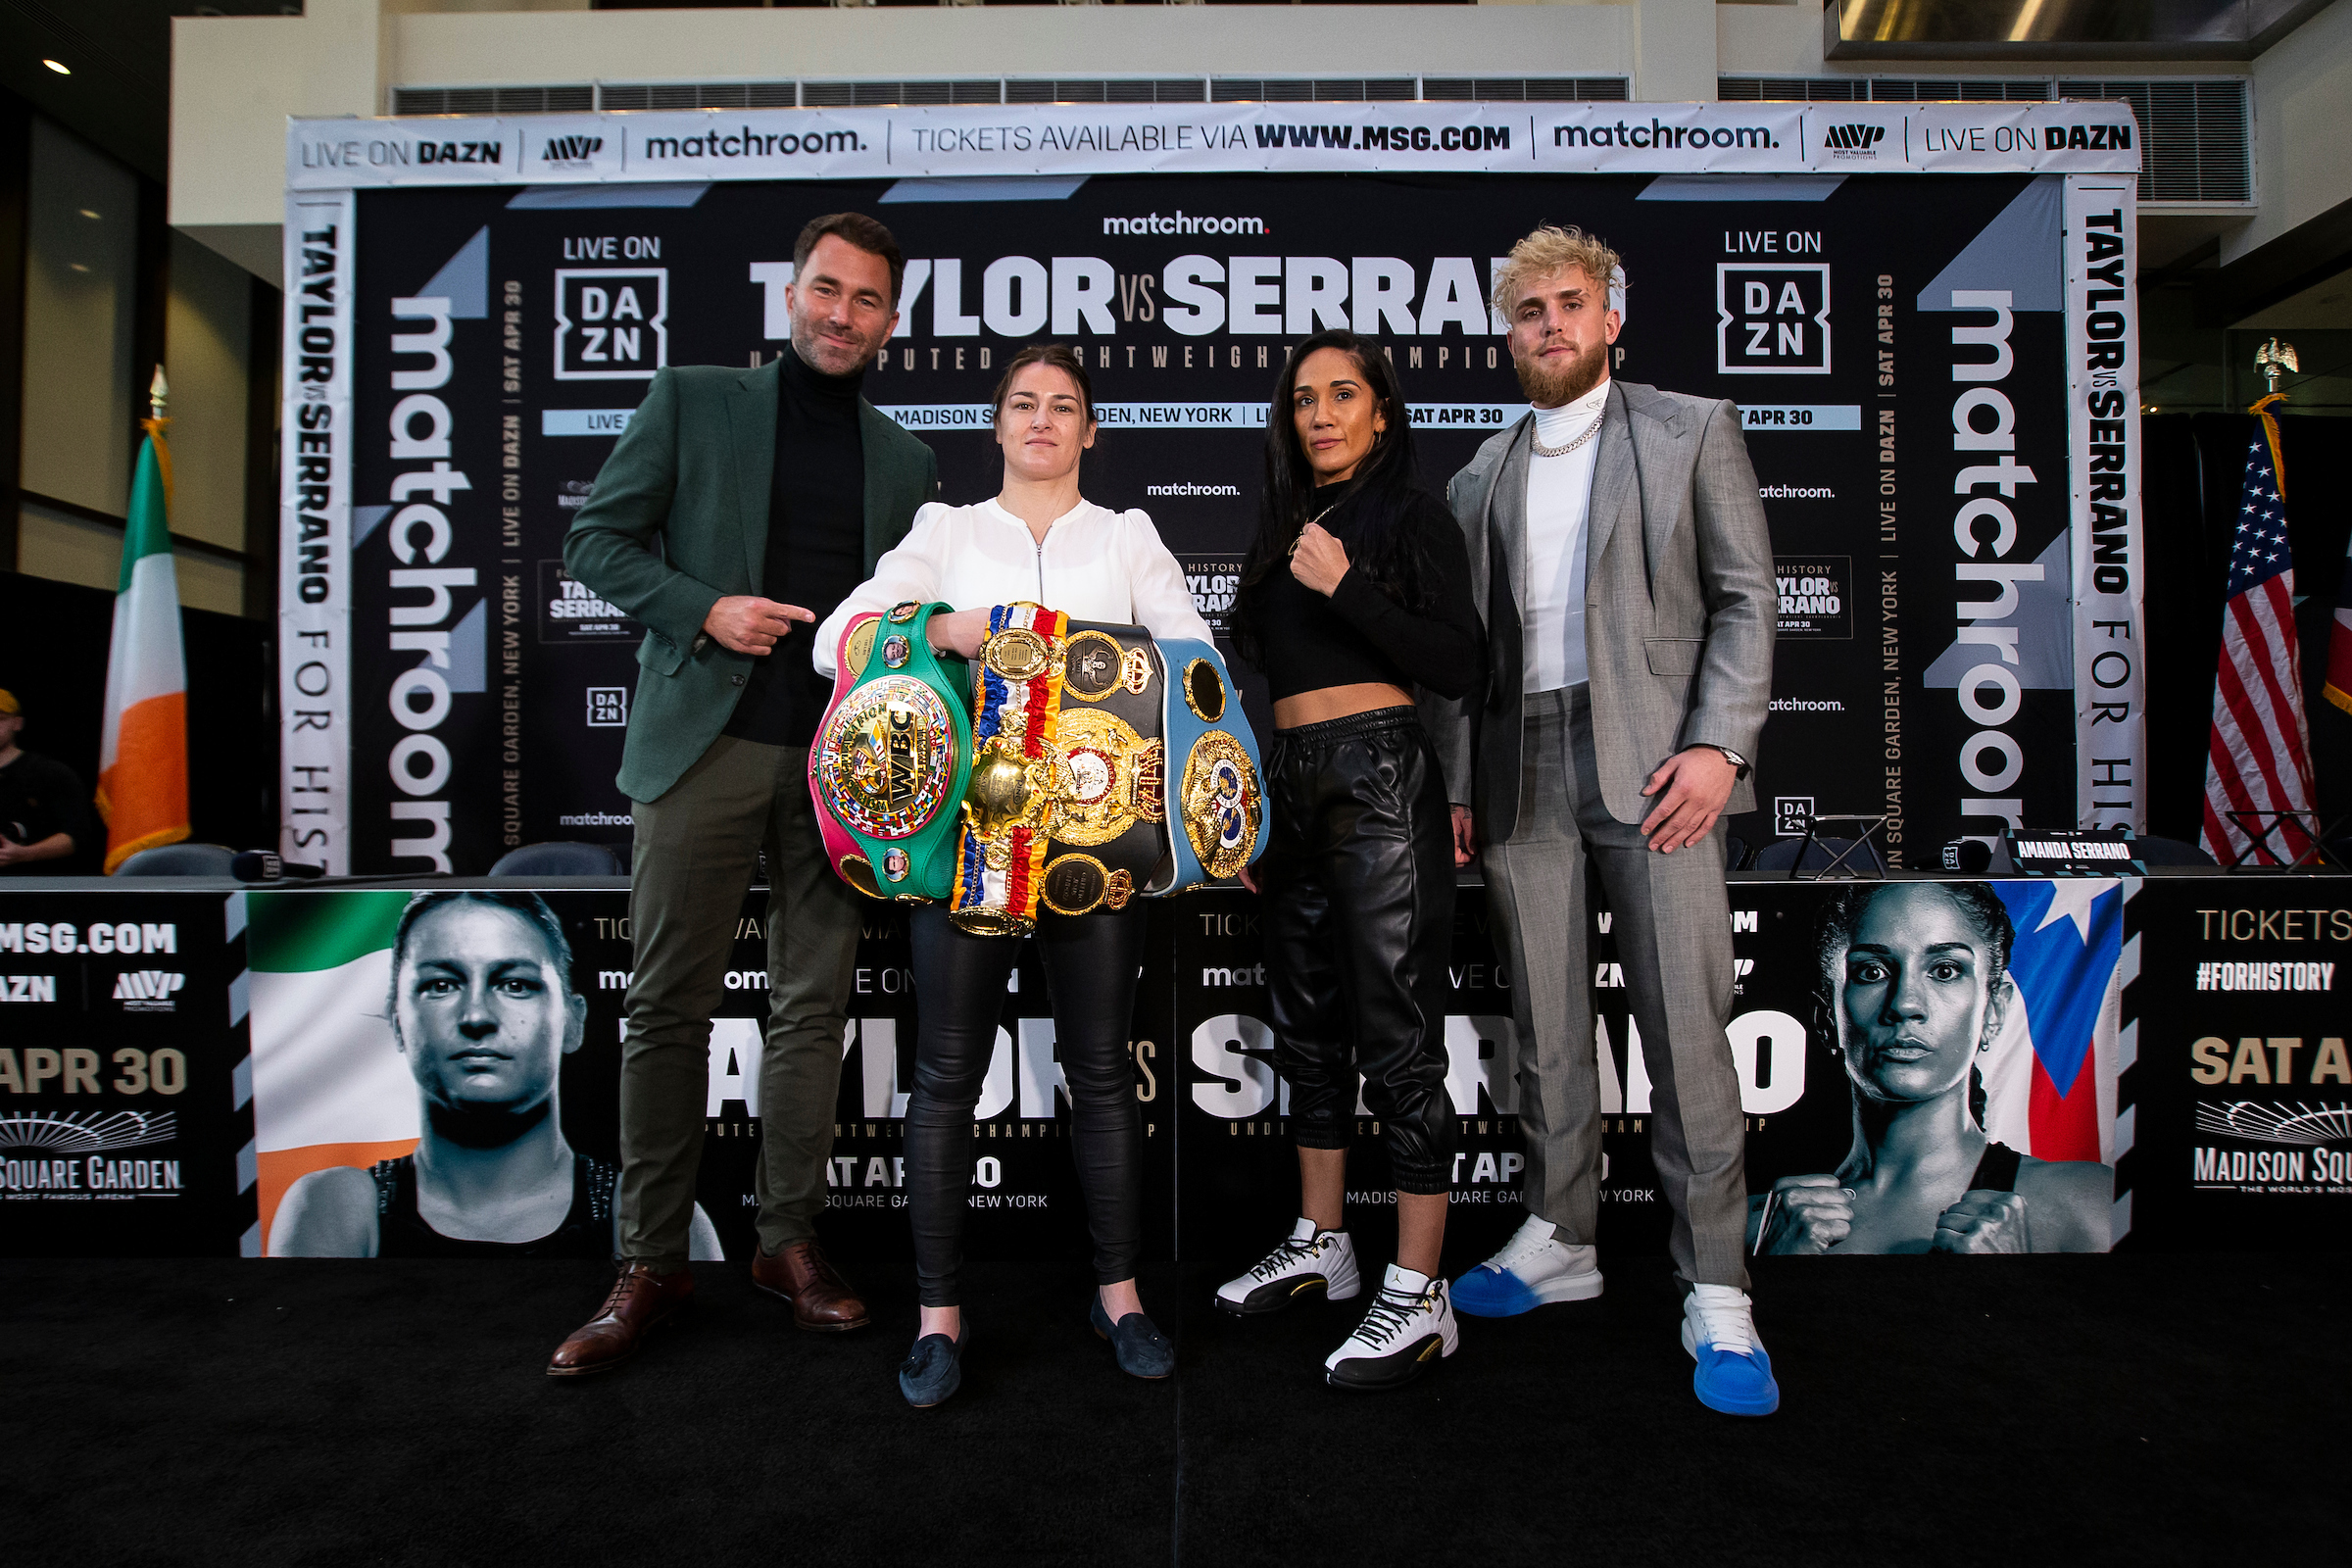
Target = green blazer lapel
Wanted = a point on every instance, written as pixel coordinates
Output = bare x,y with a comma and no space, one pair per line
876,434
752,424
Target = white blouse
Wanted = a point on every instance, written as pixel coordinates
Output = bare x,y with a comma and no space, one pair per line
1096,565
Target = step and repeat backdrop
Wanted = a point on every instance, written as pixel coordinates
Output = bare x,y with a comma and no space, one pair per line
190,1073
1923,313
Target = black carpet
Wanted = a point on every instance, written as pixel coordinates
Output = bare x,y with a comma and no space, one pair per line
2118,1409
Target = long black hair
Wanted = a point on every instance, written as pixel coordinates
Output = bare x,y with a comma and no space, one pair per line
1377,495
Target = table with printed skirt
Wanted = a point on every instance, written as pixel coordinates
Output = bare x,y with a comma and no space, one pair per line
174,1054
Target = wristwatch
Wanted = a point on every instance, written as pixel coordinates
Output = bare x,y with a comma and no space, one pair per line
1740,763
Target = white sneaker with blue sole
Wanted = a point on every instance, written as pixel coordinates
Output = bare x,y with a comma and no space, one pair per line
1536,1268
1734,1375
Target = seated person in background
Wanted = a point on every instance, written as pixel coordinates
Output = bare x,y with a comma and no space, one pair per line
482,1005
1915,978
47,827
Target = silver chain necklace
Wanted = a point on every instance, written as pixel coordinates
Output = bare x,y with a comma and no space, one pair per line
1591,430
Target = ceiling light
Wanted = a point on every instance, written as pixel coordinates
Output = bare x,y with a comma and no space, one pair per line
59,67
91,215
78,267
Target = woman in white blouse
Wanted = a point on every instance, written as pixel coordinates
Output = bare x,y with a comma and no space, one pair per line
1037,540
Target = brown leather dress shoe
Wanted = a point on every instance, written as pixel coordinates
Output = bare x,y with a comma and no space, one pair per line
821,1300
640,1299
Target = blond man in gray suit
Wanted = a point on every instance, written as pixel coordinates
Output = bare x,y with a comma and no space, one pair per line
1618,553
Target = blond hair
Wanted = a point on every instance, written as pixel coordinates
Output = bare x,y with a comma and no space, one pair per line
1554,249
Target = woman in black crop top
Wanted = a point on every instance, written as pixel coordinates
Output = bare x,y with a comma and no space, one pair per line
1356,592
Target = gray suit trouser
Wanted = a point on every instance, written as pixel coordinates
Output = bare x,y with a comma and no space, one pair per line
1672,920
698,850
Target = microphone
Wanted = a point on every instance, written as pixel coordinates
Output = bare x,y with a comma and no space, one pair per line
262,865
1968,857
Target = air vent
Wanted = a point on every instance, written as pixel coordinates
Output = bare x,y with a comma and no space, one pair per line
893,95
493,99
2197,131
697,95
1525,89
1307,89
1959,90
1883,90
1097,90
1792,89
1016,90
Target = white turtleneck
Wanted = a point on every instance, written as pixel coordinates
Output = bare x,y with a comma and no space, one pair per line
1559,495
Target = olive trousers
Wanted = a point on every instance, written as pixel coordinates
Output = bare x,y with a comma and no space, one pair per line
696,851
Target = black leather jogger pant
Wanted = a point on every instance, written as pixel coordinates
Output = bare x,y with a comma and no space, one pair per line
959,984
1358,877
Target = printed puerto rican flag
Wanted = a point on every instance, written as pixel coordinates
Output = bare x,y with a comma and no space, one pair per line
2050,1083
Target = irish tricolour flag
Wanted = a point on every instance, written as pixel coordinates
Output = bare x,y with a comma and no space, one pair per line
143,750
329,1087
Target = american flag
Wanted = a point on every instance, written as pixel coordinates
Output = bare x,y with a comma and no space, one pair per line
2259,756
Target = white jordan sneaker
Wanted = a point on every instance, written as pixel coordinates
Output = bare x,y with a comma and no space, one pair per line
1311,1259
1534,1268
1409,1322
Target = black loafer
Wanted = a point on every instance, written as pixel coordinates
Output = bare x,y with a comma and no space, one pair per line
1135,1342
934,1369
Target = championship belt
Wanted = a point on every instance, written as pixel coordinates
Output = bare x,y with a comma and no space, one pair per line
1217,805
1068,804
1109,820
1017,772
892,758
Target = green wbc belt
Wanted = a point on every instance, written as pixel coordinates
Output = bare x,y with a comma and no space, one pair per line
893,757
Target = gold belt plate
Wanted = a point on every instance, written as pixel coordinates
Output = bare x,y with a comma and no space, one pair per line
1108,777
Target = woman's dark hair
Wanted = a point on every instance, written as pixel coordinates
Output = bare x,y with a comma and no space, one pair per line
533,908
1979,905
1060,358
1384,549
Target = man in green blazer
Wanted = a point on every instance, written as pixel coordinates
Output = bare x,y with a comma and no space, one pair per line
739,509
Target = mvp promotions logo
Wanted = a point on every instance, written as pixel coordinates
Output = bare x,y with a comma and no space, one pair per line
1852,139
1771,319
147,989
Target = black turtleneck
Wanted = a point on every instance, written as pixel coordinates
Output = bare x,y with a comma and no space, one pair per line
816,544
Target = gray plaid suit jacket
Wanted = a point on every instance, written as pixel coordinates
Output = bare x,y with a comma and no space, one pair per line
1681,605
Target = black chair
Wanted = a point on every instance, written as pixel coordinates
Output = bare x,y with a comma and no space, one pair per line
1737,854
1858,855
179,860
2169,851
560,858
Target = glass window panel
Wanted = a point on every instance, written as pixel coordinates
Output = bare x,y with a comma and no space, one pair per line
81,289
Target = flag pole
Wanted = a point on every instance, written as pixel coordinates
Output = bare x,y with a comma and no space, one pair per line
143,747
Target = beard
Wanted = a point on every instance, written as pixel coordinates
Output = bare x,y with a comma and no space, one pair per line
831,356
1551,388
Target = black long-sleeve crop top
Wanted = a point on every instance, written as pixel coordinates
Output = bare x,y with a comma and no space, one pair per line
1307,641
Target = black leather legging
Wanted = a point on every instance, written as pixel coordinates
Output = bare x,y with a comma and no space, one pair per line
1358,876
960,994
